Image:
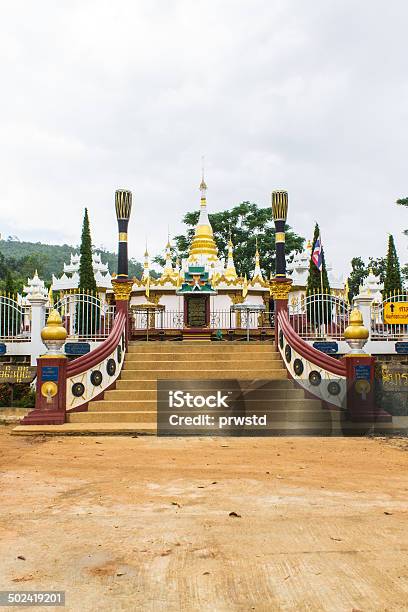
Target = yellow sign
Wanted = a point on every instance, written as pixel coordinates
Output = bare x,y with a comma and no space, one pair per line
396,313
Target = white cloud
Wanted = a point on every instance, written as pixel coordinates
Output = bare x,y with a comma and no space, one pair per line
308,96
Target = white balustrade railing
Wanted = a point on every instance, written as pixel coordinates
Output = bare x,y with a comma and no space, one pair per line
319,316
15,320
219,319
85,316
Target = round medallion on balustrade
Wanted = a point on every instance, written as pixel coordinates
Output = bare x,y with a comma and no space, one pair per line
111,367
78,389
288,353
315,378
298,367
96,378
333,387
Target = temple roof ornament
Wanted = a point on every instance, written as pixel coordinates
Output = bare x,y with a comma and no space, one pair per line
203,247
70,277
35,288
230,271
257,276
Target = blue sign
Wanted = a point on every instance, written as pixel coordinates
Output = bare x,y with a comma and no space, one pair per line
3,349
77,348
50,373
326,347
362,372
401,348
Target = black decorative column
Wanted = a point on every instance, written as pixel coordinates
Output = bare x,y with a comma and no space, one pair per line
122,286
123,205
280,285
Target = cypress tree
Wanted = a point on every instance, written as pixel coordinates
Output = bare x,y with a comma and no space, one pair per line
87,313
314,280
86,276
318,311
392,282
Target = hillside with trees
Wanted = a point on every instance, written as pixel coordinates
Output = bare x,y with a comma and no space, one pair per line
19,260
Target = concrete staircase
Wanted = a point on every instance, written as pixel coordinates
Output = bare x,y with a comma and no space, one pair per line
132,405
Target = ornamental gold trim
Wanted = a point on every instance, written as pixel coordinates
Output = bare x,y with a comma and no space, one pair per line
123,237
280,237
279,205
123,203
280,290
122,289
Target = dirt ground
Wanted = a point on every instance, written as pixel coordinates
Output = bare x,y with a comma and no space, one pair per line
126,523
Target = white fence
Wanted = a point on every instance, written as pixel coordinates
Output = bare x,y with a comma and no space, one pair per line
219,319
15,320
85,316
319,316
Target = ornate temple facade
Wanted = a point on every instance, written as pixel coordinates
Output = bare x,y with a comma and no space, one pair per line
69,280
204,283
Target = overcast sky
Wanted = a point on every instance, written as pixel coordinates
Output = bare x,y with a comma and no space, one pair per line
307,96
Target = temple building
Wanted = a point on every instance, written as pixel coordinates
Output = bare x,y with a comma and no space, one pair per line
203,287
70,277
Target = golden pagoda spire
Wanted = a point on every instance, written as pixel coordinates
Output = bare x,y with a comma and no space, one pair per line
168,266
230,272
146,265
203,242
257,271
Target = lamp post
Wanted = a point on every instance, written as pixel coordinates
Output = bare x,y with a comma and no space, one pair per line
121,284
280,285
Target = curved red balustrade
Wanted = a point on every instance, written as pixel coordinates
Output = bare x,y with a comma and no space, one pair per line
309,352
84,363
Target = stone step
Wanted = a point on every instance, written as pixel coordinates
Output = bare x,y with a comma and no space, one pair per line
235,365
271,404
202,347
187,357
281,416
81,429
113,417
202,385
251,394
202,374
335,427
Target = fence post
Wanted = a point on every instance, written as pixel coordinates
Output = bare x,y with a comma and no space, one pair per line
363,303
50,401
37,303
360,375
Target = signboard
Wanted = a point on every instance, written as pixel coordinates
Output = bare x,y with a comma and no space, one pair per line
394,377
401,348
326,347
3,349
77,348
396,313
362,372
16,373
50,373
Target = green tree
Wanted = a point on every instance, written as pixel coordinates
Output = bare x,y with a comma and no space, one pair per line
357,275
319,311
86,275
86,312
316,280
392,282
246,221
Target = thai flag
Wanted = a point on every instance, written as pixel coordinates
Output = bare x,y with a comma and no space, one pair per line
317,256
